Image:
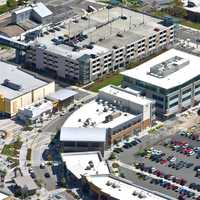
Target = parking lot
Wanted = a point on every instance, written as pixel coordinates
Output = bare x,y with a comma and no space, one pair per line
175,158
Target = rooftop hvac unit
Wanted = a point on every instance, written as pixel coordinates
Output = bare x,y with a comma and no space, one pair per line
11,85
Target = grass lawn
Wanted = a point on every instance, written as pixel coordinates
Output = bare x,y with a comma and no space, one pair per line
28,155
182,21
15,162
11,149
114,79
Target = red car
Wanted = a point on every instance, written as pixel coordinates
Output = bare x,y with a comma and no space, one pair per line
163,162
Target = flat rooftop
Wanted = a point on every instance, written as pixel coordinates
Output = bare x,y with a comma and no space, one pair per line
122,189
22,81
72,134
103,30
168,75
93,114
85,163
125,94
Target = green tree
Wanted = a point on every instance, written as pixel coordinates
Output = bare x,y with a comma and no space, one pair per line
11,3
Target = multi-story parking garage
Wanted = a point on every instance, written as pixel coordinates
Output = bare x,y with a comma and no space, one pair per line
87,47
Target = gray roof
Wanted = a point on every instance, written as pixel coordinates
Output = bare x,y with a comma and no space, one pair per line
16,76
27,181
42,10
83,134
62,94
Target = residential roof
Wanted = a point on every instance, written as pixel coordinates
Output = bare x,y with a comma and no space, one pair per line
41,10
27,181
78,163
62,94
83,134
25,81
122,189
177,72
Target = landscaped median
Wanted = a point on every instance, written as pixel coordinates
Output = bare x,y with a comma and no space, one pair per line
12,149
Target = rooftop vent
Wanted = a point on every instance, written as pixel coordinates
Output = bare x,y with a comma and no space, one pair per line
123,17
119,35
168,67
115,47
11,85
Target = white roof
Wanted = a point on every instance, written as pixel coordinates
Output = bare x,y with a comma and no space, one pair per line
83,134
94,113
77,163
195,9
41,10
123,190
179,77
26,81
62,94
125,94
37,108
22,10
3,196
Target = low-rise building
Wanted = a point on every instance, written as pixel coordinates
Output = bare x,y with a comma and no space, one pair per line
62,98
35,112
110,187
81,164
115,115
172,79
19,89
37,12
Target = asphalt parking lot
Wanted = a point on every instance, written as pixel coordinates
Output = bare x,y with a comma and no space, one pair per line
129,156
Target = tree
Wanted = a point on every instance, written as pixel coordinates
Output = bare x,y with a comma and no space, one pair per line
176,9
11,3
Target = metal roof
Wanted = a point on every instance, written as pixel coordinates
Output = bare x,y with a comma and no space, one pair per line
83,134
42,10
18,77
62,94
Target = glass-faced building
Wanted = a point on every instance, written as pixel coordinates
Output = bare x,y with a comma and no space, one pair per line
172,79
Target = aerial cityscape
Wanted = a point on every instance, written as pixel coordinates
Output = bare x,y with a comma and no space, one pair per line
99,99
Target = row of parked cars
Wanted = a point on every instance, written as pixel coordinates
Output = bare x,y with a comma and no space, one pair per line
192,136
183,147
163,180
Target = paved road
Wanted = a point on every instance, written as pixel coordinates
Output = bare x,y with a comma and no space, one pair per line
22,159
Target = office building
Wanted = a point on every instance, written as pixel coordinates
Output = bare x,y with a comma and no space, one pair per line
88,47
172,79
19,89
115,115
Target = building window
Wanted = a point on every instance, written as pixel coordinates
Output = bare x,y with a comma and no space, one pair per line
158,97
159,105
173,104
186,91
173,97
186,98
